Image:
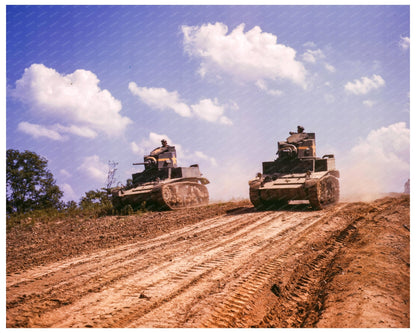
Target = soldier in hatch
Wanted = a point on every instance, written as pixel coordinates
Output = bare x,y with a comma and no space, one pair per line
300,130
298,136
159,150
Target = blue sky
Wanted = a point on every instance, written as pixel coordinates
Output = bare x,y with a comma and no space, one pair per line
92,84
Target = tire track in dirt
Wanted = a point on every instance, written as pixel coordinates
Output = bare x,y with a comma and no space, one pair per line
123,256
301,299
17,278
233,255
162,282
240,299
78,277
156,283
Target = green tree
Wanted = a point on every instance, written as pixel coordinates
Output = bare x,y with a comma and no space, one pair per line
29,184
97,202
93,198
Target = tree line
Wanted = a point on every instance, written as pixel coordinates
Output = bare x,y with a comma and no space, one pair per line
30,186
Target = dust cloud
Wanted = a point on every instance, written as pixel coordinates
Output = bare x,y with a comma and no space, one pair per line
377,165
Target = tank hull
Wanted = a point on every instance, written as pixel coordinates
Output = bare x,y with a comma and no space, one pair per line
169,194
320,188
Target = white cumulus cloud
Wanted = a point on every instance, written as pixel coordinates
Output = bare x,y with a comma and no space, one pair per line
310,44
94,168
211,111
251,55
55,132
365,85
69,193
404,43
74,99
263,86
83,131
380,163
39,131
159,98
312,56
329,68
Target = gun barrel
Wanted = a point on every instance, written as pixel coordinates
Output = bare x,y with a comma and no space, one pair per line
147,160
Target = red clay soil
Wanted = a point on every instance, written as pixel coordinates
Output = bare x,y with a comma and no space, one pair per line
223,265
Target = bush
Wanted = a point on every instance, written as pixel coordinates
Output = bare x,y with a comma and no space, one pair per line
93,204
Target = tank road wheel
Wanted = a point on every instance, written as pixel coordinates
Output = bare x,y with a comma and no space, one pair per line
324,192
255,194
185,194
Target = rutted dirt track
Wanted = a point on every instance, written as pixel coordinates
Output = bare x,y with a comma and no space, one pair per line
220,266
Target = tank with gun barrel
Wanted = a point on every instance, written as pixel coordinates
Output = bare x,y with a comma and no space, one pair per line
163,184
297,174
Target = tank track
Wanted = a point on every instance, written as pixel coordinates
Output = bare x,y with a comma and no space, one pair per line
173,195
182,194
324,192
255,194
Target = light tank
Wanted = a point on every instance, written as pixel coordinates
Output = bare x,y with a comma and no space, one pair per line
296,174
162,184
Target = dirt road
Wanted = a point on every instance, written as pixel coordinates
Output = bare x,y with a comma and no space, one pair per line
221,266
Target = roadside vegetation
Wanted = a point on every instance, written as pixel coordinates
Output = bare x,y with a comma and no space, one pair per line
32,195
